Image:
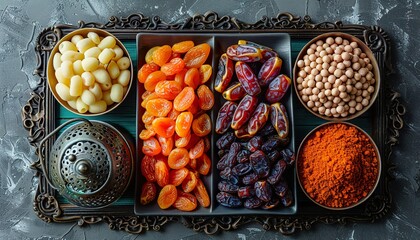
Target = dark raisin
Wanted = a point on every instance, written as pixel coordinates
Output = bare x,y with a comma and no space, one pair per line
228,200
260,164
222,164
243,156
263,190
241,169
288,156
277,172
231,156
267,130
225,140
246,192
228,187
287,199
250,179
274,202
253,202
280,188
254,143
273,156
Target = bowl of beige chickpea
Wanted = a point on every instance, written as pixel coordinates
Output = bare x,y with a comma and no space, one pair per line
336,77
89,72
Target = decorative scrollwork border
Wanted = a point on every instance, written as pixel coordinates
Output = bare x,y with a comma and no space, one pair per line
38,115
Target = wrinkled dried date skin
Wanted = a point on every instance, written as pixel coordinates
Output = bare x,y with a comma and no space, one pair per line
225,186
221,153
269,70
247,78
273,156
279,119
241,169
224,73
263,190
277,88
233,151
243,156
266,52
259,163
287,199
225,141
267,130
228,200
234,92
243,112
224,117
258,118
274,202
281,188
277,172
222,164
271,144
288,156
242,133
226,173
246,192
254,143
250,179
244,52
253,202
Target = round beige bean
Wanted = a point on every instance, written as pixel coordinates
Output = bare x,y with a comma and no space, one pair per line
118,53
117,92
124,78
72,103
60,77
88,79
77,67
75,39
96,90
102,76
106,96
94,37
67,69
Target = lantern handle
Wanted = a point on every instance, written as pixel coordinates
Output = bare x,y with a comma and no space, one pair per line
41,160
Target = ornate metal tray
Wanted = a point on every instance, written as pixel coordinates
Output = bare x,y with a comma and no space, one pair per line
40,113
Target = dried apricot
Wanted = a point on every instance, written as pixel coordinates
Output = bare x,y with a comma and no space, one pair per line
162,55
148,193
182,47
205,73
196,56
152,79
146,70
167,196
195,106
164,127
183,124
174,55
159,107
203,164
173,114
179,77
193,141
151,147
145,94
182,141
176,176
197,151
202,125
146,134
147,118
147,168
201,194
149,54
174,66
166,144
189,183
149,97
207,144
161,173
184,99
192,78
178,158
167,89
205,97
185,202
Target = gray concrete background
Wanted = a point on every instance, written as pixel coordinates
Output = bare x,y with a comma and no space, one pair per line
22,20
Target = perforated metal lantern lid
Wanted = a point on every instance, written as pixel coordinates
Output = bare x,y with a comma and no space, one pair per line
91,164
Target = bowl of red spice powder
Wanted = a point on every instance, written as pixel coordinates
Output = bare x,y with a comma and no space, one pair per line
338,165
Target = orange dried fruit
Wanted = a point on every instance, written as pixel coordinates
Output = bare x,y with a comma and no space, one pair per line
178,158
196,56
149,97
147,118
184,99
148,193
185,202
164,127
152,79
201,194
176,176
205,97
174,66
181,142
205,73
190,182
182,47
193,141
195,106
145,94
197,151
207,144
203,164
147,168
149,54
146,70
167,196
183,124
202,125
151,147
173,114
162,55
161,173
167,89
146,134
179,77
192,78
159,107
166,144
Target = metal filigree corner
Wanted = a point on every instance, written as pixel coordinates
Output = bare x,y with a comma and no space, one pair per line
46,207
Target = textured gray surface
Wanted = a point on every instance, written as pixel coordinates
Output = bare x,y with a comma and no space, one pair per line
22,20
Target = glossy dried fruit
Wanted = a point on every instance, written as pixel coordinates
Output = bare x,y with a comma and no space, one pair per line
273,156
152,79
241,169
162,54
182,47
277,88
280,188
146,134
228,200
149,97
184,99
159,107
272,144
247,78
166,145
147,168
203,164
197,151
254,143
193,140
244,111
244,52
287,199
161,173
148,193
253,202
267,130
246,192
243,156
234,92
164,127
225,116
174,66
225,186
263,190
279,120
250,179
222,164
233,152
149,54
183,124
179,77
224,73
151,147
205,97
145,70
173,114
190,182
266,52
167,196
201,194
167,89
178,158
225,141
207,144
260,164
277,172
258,118
201,126
192,78
195,107
185,202
197,55
269,70
205,73
242,133
177,176
288,156
181,142
274,202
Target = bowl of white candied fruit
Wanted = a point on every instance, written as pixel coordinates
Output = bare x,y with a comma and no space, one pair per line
89,72
336,77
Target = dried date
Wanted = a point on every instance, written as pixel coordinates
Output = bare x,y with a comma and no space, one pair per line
280,188
254,143
228,200
225,186
260,164
244,52
274,202
234,92
277,172
287,199
222,163
225,141
253,202
269,71
250,179
246,192
224,117
241,169
263,190
280,120
266,52
273,156
277,88
243,156
247,78
288,156
258,118
267,130
231,156
224,73
243,112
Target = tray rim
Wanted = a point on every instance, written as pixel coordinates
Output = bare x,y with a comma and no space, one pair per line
38,116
